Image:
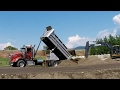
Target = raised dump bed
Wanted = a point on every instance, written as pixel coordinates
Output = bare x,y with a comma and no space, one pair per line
55,44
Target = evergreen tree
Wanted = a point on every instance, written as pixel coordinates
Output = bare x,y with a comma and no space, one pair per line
105,39
111,39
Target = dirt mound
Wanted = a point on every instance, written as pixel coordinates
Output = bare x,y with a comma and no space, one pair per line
92,60
65,63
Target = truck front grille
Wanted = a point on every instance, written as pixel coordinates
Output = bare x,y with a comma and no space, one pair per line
9,58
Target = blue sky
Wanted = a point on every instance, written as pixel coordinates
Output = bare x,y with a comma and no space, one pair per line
74,28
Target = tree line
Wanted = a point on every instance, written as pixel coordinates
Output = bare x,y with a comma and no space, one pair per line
14,48
10,48
114,40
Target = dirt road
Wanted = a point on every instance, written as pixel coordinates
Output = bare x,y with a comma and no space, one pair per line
18,70
102,71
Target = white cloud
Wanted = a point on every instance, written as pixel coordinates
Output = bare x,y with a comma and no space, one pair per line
75,41
2,46
114,32
116,19
106,33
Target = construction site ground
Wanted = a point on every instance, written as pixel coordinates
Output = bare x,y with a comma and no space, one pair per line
95,67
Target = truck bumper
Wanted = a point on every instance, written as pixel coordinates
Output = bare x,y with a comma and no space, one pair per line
11,63
9,60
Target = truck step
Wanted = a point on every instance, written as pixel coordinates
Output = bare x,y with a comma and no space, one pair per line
30,62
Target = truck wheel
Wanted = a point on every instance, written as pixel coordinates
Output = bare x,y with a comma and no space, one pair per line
52,63
21,63
55,64
49,63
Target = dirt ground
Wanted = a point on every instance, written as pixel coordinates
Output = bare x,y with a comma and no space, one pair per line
100,74
92,60
59,73
112,73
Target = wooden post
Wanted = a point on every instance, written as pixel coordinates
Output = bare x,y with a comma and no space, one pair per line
45,58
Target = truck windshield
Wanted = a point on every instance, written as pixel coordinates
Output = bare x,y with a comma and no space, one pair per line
22,49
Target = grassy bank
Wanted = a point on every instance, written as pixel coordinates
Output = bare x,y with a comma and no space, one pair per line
4,62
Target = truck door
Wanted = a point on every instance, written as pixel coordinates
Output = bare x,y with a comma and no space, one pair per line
29,54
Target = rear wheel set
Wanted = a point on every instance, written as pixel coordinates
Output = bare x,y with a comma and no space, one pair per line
52,63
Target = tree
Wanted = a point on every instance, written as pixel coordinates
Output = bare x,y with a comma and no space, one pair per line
105,39
117,40
93,51
10,48
104,49
111,39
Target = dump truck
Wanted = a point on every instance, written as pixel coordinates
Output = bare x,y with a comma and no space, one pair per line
26,56
114,49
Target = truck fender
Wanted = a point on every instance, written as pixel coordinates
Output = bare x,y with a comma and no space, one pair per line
16,59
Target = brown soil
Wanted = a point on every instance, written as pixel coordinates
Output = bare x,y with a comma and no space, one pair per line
92,60
91,72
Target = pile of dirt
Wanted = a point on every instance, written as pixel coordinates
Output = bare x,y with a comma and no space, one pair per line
65,63
92,60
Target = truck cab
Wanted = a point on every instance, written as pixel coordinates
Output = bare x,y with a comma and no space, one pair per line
26,53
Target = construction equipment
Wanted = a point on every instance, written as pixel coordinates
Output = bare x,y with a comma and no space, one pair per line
114,49
58,51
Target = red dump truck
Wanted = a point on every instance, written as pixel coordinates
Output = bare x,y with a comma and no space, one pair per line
26,56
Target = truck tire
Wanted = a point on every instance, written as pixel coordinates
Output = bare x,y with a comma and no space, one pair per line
21,63
55,63
49,64
52,63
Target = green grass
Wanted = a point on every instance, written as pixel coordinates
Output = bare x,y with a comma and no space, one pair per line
4,62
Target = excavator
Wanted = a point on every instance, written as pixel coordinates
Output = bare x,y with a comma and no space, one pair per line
114,49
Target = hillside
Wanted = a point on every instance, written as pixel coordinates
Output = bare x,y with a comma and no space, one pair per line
79,47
